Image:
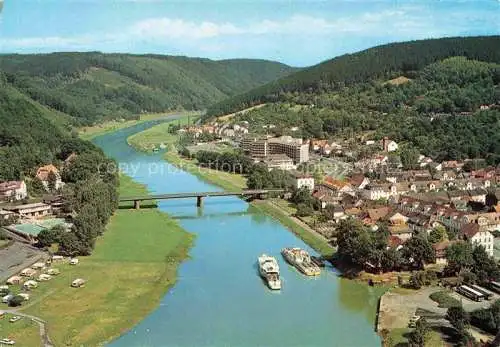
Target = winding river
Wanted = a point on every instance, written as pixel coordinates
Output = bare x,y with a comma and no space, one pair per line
219,299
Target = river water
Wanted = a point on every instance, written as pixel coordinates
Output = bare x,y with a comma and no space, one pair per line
219,299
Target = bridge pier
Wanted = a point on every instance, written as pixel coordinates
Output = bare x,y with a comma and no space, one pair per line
137,204
199,201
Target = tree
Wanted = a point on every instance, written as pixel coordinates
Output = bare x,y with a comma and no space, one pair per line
36,187
459,319
302,196
52,181
419,251
409,157
304,210
485,267
17,300
391,260
420,334
49,236
437,234
483,318
417,280
459,256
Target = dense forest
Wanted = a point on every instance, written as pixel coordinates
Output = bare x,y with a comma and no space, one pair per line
28,139
382,62
438,111
90,87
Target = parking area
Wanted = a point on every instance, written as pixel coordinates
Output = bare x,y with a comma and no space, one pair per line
17,257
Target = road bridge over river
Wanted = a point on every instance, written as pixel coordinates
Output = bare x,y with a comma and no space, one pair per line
257,193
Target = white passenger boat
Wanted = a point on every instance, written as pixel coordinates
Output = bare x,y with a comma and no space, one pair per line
269,270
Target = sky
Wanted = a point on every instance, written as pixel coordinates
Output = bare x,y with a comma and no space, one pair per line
298,33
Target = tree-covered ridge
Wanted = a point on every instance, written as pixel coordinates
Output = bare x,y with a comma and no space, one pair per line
437,111
93,86
28,140
382,62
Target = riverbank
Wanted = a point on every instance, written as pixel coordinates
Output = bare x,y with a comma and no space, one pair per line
88,133
159,134
303,231
230,181
225,180
124,282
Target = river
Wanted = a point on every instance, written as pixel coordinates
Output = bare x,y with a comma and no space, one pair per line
219,299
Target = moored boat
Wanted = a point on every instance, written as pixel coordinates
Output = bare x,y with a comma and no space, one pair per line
318,261
269,270
301,260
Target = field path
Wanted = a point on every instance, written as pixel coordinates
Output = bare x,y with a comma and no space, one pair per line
44,336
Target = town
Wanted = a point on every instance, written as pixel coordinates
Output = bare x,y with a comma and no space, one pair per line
287,173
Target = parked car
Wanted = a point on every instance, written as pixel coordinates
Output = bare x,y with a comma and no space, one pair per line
14,319
25,296
8,342
53,272
78,283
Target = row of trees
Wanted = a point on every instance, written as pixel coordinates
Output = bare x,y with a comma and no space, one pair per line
472,262
91,195
359,245
233,162
258,176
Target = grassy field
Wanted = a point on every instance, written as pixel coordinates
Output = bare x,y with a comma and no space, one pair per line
133,265
148,139
88,133
225,180
24,332
444,299
398,338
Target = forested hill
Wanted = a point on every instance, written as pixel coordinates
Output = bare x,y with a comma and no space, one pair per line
91,87
382,62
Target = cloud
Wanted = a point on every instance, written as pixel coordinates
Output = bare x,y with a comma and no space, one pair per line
319,35
169,28
178,28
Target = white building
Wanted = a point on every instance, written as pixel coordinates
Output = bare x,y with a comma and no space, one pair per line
304,180
13,190
477,237
389,145
379,191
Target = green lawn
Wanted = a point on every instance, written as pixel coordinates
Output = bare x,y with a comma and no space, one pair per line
225,180
24,332
133,265
444,299
398,338
88,133
148,139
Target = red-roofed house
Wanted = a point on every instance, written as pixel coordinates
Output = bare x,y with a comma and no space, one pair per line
440,252
358,181
43,174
